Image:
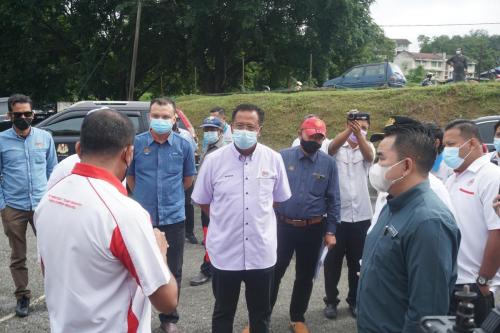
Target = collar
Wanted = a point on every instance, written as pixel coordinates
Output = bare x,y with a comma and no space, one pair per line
348,146
478,163
301,155
91,171
397,203
240,157
15,135
170,139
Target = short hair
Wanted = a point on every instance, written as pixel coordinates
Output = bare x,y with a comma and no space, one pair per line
106,132
436,133
468,129
18,98
416,143
163,101
497,125
218,110
249,107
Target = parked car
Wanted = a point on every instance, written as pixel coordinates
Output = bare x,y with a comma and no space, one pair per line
65,126
491,74
486,130
5,122
369,75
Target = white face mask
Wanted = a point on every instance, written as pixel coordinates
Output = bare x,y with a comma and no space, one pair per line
377,177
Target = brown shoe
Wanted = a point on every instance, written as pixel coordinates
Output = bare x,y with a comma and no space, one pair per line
169,328
298,327
246,329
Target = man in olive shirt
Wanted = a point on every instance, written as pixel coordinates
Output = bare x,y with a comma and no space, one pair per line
409,260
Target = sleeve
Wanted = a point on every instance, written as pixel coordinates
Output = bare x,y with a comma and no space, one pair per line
51,156
134,244
131,168
189,168
2,198
281,191
431,250
203,187
489,191
333,199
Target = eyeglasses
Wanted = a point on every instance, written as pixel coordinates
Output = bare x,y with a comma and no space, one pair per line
27,114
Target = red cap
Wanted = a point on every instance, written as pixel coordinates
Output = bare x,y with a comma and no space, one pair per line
313,126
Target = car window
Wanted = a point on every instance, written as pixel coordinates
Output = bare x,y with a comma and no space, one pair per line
396,69
71,126
486,130
3,108
180,124
355,72
375,70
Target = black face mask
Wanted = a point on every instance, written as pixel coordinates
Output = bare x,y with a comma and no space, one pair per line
310,147
22,123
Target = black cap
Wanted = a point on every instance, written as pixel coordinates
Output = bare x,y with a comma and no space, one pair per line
393,123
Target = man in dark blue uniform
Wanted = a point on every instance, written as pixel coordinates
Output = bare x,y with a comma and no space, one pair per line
409,260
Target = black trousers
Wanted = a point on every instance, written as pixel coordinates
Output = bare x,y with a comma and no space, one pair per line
206,266
189,211
306,242
350,242
226,288
175,235
482,304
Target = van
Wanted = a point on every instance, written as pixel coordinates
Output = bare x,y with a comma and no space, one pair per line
385,74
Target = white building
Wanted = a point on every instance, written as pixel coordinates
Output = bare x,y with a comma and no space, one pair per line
431,62
401,45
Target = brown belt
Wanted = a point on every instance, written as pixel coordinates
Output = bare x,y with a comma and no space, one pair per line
301,223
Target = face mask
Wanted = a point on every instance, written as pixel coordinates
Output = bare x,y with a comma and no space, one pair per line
459,52
451,156
496,143
377,177
353,137
310,147
161,126
210,138
244,139
22,123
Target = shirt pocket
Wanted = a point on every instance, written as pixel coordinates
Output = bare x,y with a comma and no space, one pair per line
39,156
175,164
266,186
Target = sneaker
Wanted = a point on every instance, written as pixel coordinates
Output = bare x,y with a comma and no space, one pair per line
192,239
199,279
23,306
330,311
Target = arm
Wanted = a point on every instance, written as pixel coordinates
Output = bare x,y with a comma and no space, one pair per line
332,206
496,205
131,183
2,199
338,141
131,172
188,181
205,209
51,157
189,167
491,259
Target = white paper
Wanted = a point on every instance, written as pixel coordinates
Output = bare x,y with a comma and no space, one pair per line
321,260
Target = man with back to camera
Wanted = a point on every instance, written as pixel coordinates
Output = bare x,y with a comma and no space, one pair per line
238,195
415,238
473,187
27,158
100,256
162,169
354,155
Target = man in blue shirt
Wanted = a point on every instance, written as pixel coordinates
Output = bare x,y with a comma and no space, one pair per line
302,226
27,157
409,263
163,167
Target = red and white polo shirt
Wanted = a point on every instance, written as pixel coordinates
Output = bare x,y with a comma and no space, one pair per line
100,255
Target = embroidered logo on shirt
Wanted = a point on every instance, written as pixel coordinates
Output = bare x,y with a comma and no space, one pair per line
318,176
291,167
264,174
146,150
38,144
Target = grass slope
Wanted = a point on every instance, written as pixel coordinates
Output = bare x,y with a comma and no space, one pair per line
284,111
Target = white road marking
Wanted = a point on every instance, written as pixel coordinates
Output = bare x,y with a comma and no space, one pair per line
12,315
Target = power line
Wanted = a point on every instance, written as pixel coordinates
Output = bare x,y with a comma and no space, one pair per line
438,25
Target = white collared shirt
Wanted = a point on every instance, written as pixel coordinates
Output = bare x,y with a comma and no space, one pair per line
472,193
353,177
240,191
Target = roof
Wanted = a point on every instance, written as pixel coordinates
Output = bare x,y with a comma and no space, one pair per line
401,41
424,56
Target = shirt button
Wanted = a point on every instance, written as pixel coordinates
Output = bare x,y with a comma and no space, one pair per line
246,238
246,223
246,178
246,208
246,193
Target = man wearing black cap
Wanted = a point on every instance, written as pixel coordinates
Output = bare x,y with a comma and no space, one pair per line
354,155
408,268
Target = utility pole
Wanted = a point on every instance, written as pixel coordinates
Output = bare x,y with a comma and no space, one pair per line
310,69
242,71
195,83
131,86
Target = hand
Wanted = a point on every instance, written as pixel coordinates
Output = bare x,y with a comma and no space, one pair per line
330,241
496,204
161,241
485,290
355,128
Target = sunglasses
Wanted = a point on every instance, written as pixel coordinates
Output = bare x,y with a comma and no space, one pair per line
27,114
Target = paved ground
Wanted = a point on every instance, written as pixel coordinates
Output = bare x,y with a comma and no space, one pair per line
196,303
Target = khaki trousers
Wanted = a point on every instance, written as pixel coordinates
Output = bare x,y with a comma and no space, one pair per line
15,223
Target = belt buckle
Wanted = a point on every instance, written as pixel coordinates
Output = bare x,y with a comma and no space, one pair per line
293,220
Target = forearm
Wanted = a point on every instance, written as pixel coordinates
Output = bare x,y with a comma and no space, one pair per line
366,149
205,209
491,259
338,141
188,181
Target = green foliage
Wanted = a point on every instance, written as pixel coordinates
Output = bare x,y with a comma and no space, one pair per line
416,75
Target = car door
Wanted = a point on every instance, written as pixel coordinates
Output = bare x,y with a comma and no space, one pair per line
352,78
375,75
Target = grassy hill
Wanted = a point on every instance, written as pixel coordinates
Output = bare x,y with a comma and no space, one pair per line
284,111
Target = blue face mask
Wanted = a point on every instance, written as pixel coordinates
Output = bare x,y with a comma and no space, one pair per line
496,143
161,126
451,156
244,139
210,138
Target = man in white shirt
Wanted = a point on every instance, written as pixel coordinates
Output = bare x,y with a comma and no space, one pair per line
100,257
472,188
354,155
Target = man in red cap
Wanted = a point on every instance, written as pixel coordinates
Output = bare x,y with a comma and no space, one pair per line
309,218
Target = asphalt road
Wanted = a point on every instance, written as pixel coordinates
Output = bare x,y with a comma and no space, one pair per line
196,303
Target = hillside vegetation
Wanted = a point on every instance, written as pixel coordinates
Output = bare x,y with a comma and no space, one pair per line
284,111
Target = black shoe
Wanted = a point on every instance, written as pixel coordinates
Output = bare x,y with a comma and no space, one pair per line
330,311
23,306
199,279
353,310
192,239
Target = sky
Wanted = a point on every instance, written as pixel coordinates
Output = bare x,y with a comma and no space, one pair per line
398,12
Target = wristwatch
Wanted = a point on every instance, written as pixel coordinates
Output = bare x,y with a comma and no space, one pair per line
482,281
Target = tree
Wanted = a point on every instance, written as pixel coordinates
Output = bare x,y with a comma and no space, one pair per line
416,75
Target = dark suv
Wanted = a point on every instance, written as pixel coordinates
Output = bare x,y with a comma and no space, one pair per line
486,131
65,126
